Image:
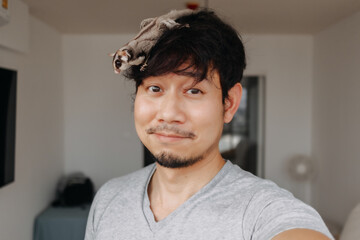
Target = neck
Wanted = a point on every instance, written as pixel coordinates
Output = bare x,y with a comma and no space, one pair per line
169,188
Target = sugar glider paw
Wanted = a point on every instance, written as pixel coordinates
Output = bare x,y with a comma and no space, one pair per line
137,61
146,22
169,23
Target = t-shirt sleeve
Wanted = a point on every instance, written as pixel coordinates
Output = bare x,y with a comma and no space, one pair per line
89,232
274,210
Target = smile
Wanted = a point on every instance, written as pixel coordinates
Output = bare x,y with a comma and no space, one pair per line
170,132
169,137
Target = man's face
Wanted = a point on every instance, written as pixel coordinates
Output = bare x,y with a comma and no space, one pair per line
179,122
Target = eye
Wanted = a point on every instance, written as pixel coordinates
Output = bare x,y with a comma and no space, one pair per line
154,89
194,91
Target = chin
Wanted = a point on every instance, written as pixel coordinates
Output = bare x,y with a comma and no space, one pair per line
169,160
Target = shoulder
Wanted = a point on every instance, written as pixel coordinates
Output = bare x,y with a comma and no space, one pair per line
242,182
255,187
269,208
124,189
124,183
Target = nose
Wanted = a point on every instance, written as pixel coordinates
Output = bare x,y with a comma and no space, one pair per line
171,109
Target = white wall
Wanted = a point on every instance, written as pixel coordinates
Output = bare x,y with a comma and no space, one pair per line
39,131
100,137
99,134
286,63
336,118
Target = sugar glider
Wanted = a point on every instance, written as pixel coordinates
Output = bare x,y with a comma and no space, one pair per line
135,51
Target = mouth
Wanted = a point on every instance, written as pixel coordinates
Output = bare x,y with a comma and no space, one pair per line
170,134
169,137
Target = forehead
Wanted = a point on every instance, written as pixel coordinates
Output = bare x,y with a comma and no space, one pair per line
186,77
171,78
192,72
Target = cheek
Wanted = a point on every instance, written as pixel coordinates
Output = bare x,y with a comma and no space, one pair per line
142,110
209,115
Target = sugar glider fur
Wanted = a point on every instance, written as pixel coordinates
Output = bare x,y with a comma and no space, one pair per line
135,51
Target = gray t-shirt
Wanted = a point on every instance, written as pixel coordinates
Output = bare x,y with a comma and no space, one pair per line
233,205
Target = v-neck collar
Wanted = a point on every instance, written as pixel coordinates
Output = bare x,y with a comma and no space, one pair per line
155,226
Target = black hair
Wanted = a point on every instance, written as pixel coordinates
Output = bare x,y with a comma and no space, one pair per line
205,43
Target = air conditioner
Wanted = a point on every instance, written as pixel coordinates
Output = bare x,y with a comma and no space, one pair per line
4,12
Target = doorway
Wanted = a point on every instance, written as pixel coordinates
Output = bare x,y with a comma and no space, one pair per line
242,141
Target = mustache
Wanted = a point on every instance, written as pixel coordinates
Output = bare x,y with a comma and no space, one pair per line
170,129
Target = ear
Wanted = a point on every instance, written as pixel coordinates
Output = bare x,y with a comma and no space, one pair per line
232,102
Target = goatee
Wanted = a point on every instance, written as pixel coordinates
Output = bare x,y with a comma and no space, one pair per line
169,160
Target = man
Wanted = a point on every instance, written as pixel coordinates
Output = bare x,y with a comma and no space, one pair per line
187,87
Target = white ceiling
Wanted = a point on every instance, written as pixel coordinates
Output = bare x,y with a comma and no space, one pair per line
249,16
